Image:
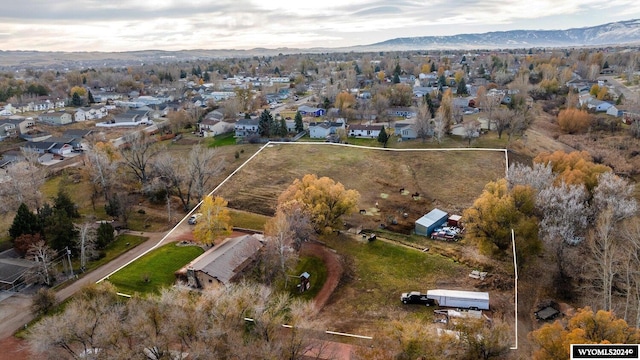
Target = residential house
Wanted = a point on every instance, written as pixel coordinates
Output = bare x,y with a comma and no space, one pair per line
321,130
7,129
23,125
246,127
365,131
132,117
405,131
77,133
56,118
213,127
311,111
80,115
222,264
614,111
39,147
402,111
598,105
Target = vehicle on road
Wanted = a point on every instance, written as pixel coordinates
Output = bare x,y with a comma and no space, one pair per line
193,219
416,297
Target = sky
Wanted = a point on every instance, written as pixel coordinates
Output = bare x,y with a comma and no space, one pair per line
125,25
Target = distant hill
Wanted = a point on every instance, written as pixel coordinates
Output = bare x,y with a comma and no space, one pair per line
616,33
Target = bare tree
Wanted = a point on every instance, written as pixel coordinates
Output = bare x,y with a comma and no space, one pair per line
204,164
137,153
423,125
439,128
502,118
102,169
279,253
604,256
616,194
539,177
188,177
631,263
471,129
564,217
86,242
45,271
21,183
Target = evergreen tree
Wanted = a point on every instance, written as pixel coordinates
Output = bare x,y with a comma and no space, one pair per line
383,138
396,78
442,81
397,70
433,67
276,71
59,231
63,203
606,65
104,235
357,69
298,121
91,99
283,131
430,105
183,74
247,116
206,77
76,100
326,104
25,222
265,124
462,87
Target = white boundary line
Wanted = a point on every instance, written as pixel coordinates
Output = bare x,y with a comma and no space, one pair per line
185,217
271,143
515,271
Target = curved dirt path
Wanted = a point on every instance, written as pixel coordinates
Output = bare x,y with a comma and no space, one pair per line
334,270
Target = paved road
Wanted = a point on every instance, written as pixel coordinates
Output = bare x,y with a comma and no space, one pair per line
629,94
15,313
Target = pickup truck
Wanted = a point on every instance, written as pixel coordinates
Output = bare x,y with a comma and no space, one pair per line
416,297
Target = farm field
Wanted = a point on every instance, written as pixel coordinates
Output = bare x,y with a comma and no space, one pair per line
450,180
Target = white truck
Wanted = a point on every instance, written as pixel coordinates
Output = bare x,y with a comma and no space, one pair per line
473,300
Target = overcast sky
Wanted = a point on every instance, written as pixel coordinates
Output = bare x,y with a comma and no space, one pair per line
125,25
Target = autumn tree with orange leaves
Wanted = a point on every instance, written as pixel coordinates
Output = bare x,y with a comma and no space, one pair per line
554,340
573,168
323,199
573,120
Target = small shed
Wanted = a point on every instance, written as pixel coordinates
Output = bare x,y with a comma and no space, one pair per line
454,220
429,222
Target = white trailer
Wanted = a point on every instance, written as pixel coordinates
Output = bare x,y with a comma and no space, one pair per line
460,299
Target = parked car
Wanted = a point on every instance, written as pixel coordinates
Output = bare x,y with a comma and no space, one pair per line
193,219
416,297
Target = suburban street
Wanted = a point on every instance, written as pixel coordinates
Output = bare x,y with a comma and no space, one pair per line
15,312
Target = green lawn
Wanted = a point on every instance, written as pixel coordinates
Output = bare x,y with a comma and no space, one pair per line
223,140
381,272
155,270
318,271
118,247
247,220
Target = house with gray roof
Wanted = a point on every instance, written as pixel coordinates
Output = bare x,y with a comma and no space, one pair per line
222,264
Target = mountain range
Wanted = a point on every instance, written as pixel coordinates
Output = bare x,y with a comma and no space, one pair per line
619,33
616,33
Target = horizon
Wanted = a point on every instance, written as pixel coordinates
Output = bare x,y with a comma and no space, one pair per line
120,26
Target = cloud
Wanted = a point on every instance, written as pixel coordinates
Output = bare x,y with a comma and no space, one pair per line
121,25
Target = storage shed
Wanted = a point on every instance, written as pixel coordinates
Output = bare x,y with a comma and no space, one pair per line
429,222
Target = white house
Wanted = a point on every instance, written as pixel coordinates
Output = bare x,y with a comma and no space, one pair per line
365,131
320,130
213,127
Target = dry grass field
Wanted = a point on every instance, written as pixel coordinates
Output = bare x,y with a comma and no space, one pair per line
450,180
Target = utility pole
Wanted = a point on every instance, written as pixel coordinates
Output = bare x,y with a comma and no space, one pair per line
69,258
